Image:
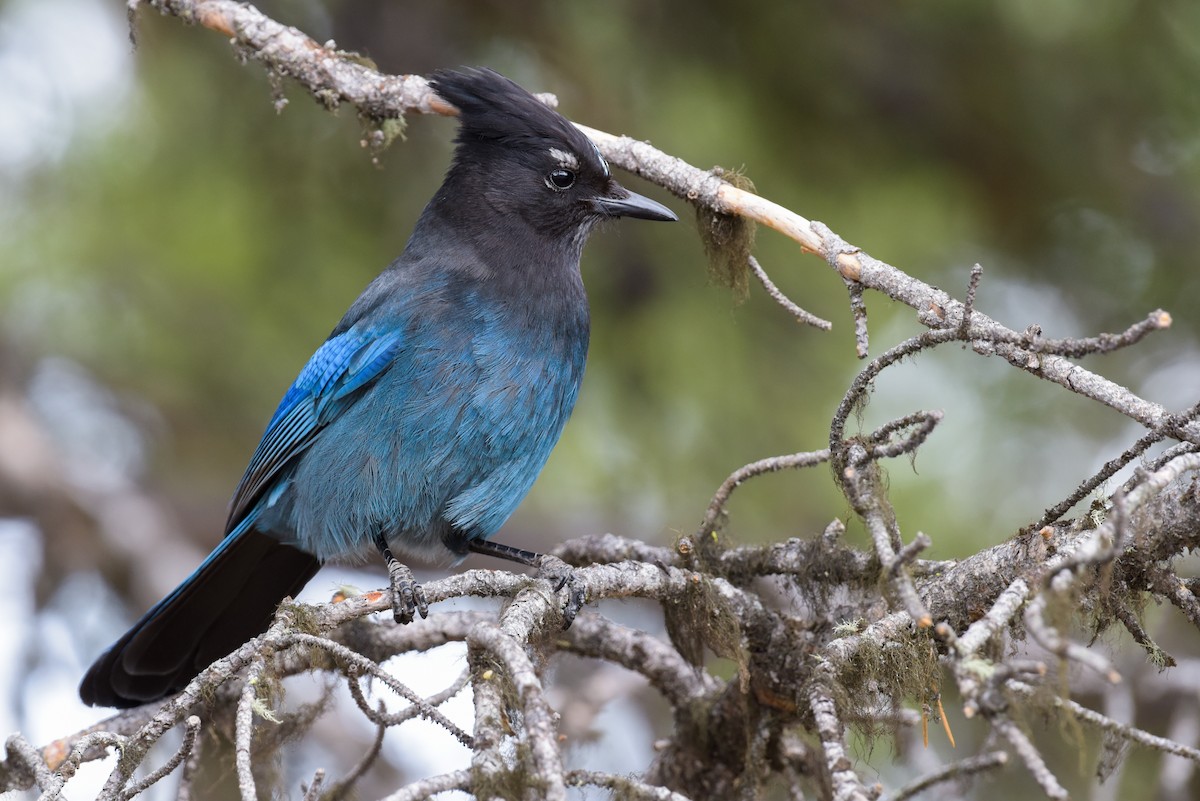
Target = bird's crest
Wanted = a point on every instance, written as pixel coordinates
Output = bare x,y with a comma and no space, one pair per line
494,109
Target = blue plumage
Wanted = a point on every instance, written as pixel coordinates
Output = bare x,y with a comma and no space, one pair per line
424,419
447,440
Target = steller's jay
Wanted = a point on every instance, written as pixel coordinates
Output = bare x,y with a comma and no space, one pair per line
424,419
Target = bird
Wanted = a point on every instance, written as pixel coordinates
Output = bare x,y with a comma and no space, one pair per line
423,420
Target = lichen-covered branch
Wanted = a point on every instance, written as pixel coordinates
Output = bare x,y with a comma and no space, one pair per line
772,653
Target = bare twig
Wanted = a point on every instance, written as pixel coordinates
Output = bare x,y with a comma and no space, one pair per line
313,791
806,317
382,717
745,473
1162,459
245,729
362,663
343,786
1030,756
860,481
1123,730
487,761
1170,586
908,554
27,765
998,617
1101,546
892,439
846,784
1048,637
857,392
1158,656
1169,427
969,301
331,76
190,765
541,731
858,310
622,785
668,672
426,788
191,732
955,771
1077,347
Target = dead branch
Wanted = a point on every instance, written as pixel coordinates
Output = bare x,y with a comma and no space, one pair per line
821,636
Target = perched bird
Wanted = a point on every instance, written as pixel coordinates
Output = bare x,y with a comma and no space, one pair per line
423,420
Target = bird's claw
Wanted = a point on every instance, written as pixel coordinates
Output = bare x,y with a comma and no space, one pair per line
408,597
560,575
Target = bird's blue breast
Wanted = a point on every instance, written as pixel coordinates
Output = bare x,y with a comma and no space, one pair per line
449,438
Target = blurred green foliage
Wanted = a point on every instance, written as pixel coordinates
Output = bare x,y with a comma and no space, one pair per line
196,253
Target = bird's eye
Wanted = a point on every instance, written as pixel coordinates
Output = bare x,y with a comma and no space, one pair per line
560,179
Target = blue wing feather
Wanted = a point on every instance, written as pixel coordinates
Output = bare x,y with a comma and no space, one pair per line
366,364
324,389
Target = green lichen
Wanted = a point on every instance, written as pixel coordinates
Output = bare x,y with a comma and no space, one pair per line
891,672
380,132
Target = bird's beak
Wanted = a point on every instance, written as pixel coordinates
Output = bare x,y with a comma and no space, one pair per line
623,203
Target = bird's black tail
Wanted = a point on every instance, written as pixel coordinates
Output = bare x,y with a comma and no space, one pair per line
229,599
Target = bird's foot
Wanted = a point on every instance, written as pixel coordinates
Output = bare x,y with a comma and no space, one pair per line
551,568
560,575
408,597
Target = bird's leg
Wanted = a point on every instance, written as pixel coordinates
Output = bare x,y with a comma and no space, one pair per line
550,567
408,597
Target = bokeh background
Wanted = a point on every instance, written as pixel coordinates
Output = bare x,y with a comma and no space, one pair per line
172,248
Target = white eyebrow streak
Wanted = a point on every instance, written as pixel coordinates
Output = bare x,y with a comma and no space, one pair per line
565,159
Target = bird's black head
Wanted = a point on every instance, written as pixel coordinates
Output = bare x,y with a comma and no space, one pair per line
523,159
